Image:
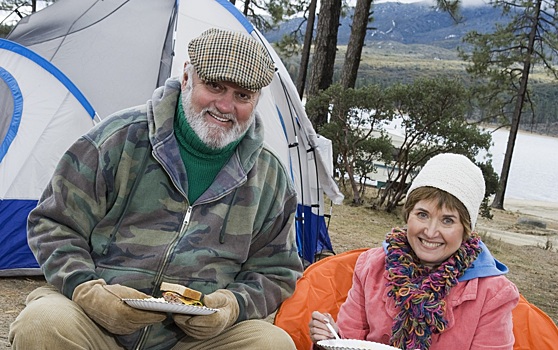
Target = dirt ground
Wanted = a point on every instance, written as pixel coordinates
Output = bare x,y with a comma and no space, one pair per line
529,252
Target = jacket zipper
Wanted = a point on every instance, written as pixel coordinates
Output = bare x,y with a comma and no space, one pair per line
159,277
143,336
183,228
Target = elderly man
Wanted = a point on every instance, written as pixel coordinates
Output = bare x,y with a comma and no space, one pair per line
181,190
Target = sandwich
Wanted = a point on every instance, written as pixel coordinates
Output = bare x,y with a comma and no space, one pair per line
179,294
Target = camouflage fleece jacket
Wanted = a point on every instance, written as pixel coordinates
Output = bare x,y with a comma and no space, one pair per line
116,208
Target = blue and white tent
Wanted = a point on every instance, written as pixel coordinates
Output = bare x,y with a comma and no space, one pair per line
117,52
41,114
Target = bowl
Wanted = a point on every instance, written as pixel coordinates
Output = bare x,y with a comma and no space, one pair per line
353,344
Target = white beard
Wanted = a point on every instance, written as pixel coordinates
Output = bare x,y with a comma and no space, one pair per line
213,135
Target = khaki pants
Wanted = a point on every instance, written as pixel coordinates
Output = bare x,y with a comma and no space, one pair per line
52,321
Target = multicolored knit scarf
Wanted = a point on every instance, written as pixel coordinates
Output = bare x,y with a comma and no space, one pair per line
419,291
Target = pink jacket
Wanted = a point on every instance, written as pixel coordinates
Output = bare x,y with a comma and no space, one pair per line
479,311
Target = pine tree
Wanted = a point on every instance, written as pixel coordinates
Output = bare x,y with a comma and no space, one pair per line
506,58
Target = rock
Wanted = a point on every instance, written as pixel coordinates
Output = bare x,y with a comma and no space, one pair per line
531,222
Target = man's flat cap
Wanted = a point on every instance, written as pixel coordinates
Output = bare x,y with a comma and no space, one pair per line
220,55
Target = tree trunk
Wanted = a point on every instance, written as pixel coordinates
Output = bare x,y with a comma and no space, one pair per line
351,174
324,52
306,48
356,42
498,202
246,7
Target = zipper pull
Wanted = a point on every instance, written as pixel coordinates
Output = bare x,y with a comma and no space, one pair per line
187,217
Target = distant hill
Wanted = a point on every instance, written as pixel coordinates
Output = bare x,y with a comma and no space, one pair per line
414,23
411,41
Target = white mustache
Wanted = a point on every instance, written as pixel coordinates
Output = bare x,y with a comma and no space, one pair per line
215,113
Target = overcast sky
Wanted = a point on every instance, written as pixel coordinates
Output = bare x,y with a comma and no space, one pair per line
351,2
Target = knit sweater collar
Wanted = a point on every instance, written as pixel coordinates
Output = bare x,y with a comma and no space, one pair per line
202,163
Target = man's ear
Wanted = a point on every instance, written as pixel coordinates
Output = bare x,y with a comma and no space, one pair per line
184,75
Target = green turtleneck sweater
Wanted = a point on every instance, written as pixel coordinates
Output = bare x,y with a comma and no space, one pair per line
202,163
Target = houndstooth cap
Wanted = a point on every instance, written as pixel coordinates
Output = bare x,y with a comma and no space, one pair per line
220,55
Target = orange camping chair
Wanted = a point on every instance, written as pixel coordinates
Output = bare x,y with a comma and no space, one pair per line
325,284
324,287
533,329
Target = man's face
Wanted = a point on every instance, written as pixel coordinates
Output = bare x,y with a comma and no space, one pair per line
218,112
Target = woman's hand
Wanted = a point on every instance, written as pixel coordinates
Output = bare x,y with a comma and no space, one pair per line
318,327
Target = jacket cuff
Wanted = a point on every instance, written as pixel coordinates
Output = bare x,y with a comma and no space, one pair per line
241,308
75,280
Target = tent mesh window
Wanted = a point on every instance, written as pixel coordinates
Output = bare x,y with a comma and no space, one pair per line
6,109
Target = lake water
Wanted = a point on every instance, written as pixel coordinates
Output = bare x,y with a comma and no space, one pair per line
534,167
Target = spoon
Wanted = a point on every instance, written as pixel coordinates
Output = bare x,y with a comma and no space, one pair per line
331,329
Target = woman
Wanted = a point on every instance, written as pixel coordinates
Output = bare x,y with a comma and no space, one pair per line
433,285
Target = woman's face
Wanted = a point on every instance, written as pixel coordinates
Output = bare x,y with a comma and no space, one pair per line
434,234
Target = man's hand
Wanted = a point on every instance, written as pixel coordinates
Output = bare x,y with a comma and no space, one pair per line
207,326
103,304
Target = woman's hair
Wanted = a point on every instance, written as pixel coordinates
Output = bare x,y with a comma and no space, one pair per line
443,199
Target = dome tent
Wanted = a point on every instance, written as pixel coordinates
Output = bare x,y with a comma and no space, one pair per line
117,52
41,115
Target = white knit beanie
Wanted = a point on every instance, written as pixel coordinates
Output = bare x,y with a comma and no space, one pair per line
458,176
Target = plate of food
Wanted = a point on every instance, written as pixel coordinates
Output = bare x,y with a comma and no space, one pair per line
353,344
176,299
